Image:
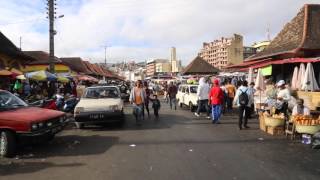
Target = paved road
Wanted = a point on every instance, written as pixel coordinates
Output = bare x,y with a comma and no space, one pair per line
178,146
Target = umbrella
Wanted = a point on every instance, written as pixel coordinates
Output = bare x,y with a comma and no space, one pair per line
250,76
4,72
62,79
41,76
22,77
309,82
260,84
16,71
294,79
300,76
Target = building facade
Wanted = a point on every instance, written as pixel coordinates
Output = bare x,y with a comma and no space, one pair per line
223,52
156,66
248,51
260,46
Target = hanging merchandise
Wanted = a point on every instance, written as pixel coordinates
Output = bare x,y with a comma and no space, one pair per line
294,79
300,76
309,82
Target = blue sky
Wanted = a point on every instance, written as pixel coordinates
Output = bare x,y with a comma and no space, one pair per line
142,29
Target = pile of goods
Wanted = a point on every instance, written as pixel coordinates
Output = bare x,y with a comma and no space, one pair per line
274,120
305,120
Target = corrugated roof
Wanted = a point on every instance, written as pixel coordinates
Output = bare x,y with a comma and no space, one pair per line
76,64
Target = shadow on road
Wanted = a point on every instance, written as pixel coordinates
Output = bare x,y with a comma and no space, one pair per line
30,167
70,145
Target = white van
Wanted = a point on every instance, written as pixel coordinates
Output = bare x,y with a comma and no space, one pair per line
187,95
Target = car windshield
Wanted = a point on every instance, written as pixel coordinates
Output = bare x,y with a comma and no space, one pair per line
8,101
193,89
102,92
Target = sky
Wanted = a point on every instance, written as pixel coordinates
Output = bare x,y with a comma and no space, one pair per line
142,29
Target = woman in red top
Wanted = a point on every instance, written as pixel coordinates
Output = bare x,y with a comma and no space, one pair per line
216,99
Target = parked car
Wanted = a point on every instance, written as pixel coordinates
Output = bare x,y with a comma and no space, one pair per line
99,105
20,123
187,95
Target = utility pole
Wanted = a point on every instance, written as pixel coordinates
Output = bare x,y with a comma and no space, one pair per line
20,42
51,15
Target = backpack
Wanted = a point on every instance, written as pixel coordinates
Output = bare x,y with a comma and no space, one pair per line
243,98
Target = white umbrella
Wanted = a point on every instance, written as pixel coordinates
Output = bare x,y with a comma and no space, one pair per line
21,77
309,82
300,76
294,79
260,84
250,75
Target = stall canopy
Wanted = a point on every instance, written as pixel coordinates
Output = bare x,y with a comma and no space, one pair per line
41,76
200,66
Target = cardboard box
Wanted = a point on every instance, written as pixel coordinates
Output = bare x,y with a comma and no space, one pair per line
275,131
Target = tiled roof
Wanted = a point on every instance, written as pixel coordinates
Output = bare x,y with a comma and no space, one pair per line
40,57
76,64
300,35
200,66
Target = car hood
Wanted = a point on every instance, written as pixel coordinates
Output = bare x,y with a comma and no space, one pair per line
30,114
99,103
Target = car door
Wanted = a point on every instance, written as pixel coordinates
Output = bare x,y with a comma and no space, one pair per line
187,95
183,94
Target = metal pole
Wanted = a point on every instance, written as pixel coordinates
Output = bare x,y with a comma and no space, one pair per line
51,35
105,56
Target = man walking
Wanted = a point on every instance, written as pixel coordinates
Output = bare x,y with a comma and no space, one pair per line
172,92
137,98
216,98
244,100
203,97
231,90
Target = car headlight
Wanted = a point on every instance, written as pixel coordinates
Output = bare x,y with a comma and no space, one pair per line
34,126
40,125
114,108
78,110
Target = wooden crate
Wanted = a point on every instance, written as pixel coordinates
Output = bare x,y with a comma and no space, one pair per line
261,122
275,131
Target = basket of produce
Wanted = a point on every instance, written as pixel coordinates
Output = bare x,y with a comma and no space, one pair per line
306,124
274,120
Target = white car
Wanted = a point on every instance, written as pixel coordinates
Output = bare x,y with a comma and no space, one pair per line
187,95
101,104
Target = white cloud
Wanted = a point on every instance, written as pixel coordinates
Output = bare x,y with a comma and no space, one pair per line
142,29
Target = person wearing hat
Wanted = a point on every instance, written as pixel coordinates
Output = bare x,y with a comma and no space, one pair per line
215,99
283,97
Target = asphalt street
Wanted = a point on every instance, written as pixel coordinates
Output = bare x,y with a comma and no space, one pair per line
179,146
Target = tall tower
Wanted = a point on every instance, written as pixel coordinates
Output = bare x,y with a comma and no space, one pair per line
173,60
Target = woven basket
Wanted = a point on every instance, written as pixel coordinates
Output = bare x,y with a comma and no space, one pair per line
307,129
273,122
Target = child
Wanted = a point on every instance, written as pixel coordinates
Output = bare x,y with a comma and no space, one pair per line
155,105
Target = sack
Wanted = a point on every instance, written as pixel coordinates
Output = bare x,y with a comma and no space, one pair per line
244,98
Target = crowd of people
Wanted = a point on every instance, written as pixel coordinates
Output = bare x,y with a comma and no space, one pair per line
216,97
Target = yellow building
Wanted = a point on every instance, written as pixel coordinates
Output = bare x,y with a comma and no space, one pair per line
260,46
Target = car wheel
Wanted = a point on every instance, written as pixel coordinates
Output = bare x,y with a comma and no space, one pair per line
79,125
7,144
181,105
191,107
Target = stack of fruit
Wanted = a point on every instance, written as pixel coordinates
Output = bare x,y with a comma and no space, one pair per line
306,120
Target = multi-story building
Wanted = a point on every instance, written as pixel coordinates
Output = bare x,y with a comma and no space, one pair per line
156,66
175,64
248,51
223,52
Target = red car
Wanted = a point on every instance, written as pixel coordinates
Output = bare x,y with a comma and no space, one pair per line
21,123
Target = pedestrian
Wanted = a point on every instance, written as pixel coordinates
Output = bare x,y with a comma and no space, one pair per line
156,105
137,98
148,93
216,98
172,93
231,91
26,89
225,97
165,92
203,97
244,100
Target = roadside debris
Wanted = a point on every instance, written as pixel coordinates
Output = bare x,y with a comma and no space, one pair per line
132,145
